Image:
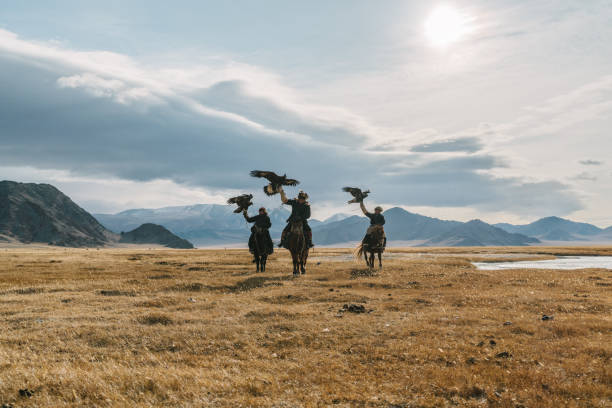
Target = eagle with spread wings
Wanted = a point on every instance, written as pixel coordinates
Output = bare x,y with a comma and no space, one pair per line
357,194
242,201
275,180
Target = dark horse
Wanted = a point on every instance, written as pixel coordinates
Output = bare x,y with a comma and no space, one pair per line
297,245
260,247
373,244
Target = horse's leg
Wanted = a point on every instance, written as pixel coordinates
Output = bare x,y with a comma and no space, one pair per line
365,256
379,259
256,262
294,256
304,260
372,259
302,264
264,258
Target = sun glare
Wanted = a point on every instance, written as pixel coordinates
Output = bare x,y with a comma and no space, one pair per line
446,25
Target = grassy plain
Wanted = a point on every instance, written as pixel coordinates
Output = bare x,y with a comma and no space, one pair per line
198,328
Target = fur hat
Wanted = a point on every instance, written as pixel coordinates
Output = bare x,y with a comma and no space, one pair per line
264,210
303,195
378,208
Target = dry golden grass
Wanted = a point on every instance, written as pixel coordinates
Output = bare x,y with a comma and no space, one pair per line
198,328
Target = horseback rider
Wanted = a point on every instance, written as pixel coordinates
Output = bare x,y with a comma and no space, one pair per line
300,209
262,222
377,220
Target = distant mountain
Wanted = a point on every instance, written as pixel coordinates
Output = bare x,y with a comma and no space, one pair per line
346,230
336,217
478,233
41,213
402,225
154,234
555,229
605,235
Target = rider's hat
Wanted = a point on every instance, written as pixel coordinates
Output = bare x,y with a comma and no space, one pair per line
263,208
303,195
378,208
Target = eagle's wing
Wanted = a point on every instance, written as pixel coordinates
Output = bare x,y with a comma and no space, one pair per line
270,175
291,182
269,190
240,200
355,192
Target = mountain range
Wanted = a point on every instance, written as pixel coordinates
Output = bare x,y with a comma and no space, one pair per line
212,224
560,229
41,213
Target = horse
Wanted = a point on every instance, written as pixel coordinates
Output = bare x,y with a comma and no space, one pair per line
297,246
373,244
260,248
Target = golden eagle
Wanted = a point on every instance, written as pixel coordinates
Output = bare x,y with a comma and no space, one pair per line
275,181
356,193
242,201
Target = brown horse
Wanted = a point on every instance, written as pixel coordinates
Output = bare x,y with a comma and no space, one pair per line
298,246
261,248
373,244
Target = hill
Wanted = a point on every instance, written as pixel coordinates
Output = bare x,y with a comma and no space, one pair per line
41,213
154,234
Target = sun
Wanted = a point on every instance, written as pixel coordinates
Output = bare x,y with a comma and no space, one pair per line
446,25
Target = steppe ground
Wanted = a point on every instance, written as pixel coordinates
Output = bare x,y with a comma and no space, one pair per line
199,328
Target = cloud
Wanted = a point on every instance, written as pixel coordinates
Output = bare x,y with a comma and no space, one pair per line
103,115
465,181
466,144
109,88
590,162
584,176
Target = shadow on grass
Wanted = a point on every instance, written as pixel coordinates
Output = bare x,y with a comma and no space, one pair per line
240,286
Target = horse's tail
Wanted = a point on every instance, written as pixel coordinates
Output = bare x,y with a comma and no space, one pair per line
359,251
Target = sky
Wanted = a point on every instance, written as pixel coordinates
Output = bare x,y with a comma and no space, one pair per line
499,110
